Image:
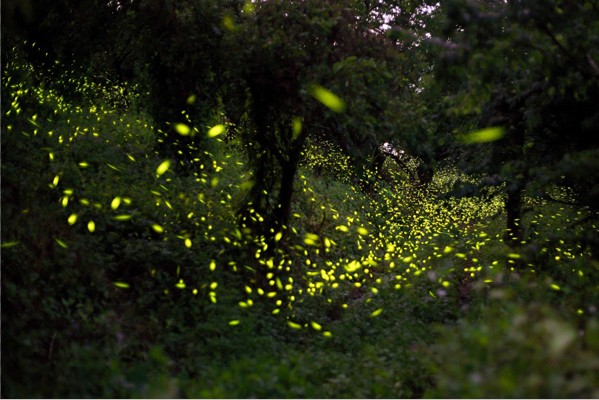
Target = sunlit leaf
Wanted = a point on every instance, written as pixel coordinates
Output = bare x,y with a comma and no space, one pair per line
121,285
328,98
187,242
61,244
123,217
484,135
316,326
91,226
234,322
6,245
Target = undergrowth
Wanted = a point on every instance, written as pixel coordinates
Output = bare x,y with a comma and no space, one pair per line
126,274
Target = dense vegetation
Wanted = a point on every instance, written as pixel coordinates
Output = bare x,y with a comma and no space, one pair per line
300,199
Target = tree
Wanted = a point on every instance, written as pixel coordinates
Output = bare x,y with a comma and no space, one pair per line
529,68
300,68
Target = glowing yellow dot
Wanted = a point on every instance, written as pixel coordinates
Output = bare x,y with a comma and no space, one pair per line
72,219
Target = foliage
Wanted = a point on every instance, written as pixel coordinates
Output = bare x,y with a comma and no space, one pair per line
279,104
123,258
530,69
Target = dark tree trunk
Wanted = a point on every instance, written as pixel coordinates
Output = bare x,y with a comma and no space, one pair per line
425,175
513,206
283,211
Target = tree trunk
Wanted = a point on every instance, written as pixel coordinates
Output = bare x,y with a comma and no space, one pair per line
513,205
289,169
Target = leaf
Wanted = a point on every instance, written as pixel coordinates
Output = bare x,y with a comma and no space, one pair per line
122,285
328,98
484,135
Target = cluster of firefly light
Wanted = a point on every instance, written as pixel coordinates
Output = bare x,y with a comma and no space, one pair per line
351,250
